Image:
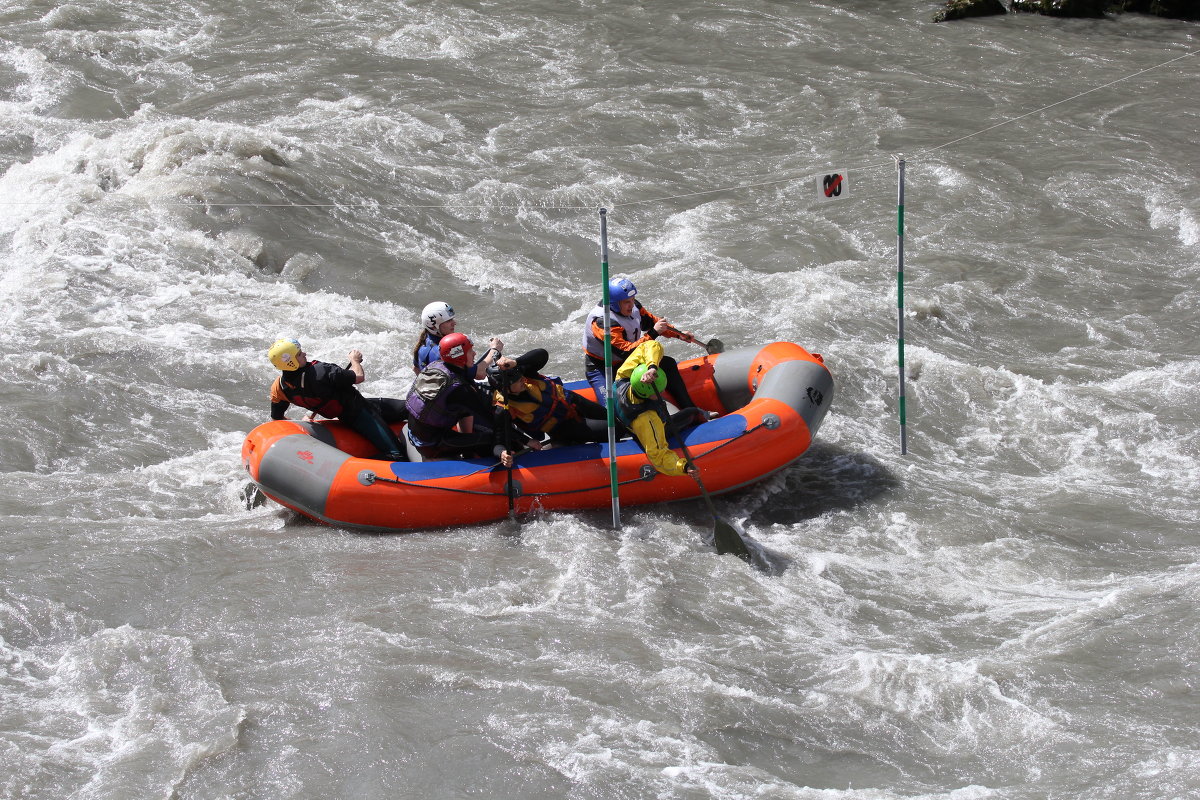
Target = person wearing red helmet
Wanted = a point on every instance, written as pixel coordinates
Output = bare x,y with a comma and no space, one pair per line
448,415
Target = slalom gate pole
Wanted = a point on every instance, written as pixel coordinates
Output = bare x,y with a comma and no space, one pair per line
611,402
900,297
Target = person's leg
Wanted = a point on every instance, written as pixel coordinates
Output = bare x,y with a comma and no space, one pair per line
579,431
477,444
675,385
369,423
681,420
587,408
392,409
595,379
531,363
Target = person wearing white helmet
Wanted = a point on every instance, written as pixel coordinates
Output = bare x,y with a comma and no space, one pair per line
437,320
328,390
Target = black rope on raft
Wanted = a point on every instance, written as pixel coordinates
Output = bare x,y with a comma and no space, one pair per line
638,479
500,494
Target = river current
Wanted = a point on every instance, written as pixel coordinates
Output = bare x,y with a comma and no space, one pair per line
1006,611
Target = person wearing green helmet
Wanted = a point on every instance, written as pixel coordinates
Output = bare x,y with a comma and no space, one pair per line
640,407
328,390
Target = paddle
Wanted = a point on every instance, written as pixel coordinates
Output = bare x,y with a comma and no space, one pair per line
725,536
713,346
506,421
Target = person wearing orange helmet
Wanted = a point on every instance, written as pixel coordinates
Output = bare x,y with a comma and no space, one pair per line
328,390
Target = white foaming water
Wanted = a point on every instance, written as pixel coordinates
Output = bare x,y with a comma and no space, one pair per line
1005,612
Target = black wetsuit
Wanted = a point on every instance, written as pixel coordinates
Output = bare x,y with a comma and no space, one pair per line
328,390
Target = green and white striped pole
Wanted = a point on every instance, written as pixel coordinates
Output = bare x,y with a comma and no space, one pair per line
611,404
900,296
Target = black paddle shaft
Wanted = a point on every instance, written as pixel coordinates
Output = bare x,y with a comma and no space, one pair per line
725,536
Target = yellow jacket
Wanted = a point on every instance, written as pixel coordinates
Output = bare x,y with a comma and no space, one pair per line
647,425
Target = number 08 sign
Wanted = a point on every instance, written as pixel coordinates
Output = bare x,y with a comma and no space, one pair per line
833,186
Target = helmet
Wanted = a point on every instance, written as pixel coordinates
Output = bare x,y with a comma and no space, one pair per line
283,354
647,390
502,377
620,289
434,314
453,348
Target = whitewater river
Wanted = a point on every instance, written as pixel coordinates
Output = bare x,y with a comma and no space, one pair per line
1007,611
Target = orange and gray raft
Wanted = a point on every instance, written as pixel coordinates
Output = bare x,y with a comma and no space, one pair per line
771,401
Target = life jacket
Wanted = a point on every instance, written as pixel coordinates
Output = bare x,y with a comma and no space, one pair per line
593,345
428,403
427,353
541,406
312,387
628,409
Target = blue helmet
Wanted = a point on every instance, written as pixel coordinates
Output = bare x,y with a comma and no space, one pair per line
620,289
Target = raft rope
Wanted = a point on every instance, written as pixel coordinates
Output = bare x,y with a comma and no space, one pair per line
639,479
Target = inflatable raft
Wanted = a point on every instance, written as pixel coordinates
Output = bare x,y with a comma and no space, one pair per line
771,400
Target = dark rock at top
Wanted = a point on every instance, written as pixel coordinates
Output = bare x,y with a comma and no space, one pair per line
961,9
1176,9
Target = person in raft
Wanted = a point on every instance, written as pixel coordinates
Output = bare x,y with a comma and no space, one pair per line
437,320
539,405
632,325
444,397
328,390
640,382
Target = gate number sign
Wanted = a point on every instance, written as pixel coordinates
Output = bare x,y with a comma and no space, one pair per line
832,186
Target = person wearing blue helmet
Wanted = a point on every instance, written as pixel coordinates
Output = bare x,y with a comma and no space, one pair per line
631,325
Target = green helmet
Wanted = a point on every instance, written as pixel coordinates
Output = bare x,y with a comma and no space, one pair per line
647,390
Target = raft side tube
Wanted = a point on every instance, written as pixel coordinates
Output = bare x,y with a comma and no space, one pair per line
300,469
804,385
729,373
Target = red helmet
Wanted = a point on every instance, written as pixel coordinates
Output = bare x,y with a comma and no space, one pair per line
453,348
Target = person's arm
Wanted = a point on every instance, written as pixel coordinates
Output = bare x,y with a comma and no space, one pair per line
279,401
648,352
510,439
356,366
489,357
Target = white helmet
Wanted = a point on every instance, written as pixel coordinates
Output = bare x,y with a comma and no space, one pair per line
434,314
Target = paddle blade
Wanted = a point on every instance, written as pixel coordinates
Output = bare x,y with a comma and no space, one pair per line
728,540
714,346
